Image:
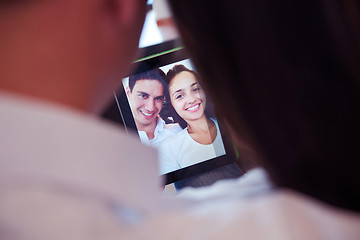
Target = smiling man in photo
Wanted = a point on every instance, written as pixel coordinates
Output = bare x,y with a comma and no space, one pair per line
146,94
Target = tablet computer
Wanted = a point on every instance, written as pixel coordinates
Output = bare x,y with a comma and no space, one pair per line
163,102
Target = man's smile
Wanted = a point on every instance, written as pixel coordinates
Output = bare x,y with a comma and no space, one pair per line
147,115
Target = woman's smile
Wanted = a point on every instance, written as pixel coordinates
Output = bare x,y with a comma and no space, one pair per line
193,108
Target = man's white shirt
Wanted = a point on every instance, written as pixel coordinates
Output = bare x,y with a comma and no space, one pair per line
162,131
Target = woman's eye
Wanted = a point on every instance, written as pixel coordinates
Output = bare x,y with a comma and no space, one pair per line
196,89
179,96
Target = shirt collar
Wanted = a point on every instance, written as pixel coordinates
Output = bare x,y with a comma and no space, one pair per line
160,123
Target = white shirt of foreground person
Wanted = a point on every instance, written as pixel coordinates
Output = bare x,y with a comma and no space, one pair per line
162,131
250,208
67,175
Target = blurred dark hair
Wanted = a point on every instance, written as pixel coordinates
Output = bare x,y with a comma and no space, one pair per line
288,72
12,3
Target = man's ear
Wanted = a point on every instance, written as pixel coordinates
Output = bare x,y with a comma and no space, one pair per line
127,91
126,12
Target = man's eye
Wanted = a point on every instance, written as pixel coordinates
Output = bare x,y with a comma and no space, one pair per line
142,95
159,99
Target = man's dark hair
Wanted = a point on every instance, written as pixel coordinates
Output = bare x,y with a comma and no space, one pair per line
155,74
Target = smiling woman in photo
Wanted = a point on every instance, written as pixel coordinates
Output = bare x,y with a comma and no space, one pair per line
200,139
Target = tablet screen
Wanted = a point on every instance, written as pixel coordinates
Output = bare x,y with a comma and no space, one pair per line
165,104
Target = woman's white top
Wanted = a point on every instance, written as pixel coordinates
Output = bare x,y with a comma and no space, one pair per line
180,150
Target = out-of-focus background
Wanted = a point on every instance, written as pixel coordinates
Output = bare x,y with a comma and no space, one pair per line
159,26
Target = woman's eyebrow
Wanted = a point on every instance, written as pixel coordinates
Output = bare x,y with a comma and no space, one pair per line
179,90
194,84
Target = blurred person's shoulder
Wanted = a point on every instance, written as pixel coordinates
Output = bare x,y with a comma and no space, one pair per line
67,168
254,182
277,214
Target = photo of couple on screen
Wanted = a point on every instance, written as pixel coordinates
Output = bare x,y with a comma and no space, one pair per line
172,113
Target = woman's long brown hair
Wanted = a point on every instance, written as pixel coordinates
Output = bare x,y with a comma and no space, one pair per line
285,75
